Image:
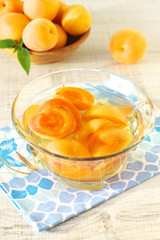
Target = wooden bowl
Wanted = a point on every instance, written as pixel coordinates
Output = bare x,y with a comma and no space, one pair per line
55,55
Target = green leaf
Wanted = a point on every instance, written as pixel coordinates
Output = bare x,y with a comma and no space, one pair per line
7,43
24,59
20,43
16,48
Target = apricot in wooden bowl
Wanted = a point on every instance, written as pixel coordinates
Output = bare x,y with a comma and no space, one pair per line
54,55
53,29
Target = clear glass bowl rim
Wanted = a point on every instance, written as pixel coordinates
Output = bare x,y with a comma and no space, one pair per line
128,148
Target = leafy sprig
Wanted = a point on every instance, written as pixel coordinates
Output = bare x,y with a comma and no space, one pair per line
23,54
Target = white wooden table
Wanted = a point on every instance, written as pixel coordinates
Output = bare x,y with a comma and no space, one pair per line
134,214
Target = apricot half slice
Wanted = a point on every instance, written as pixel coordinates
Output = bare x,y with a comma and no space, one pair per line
28,113
92,126
79,97
72,171
68,147
107,142
61,103
126,110
107,112
68,168
57,123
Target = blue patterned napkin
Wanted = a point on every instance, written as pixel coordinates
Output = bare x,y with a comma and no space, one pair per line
45,202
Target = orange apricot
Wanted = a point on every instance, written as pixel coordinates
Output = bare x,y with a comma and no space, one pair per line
128,46
29,111
79,97
92,126
68,147
12,25
76,20
107,112
107,142
7,6
55,124
62,37
40,35
62,8
41,9
61,103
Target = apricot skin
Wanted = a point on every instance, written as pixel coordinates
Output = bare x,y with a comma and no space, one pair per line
68,147
12,25
7,6
92,126
128,46
79,97
62,37
28,113
62,8
109,141
76,20
106,112
41,9
40,35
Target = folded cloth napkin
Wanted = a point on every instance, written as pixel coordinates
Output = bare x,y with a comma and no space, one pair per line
45,202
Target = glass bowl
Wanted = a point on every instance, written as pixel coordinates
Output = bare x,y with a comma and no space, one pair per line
85,173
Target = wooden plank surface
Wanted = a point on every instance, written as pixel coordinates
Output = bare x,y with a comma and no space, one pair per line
134,214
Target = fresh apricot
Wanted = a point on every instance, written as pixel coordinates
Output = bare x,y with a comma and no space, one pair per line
62,8
62,37
40,35
7,6
107,142
49,105
29,111
105,111
41,8
76,20
92,126
68,147
12,25
128,46
79,97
